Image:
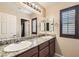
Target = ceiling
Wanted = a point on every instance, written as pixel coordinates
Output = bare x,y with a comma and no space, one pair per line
46,4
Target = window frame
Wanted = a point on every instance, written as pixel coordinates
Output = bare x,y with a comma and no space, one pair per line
76,22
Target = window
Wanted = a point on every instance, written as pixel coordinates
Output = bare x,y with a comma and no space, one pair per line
69,22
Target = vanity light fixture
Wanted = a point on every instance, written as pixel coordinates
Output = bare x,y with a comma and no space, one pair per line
34,6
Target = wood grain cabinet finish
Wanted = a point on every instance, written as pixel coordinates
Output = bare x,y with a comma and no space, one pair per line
30,53
43,45
52,47
52,40
46,49
35,55
44,52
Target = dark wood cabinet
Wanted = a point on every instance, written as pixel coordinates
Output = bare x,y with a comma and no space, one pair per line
44,52
45,49
52,47
35,55
32,52
43,45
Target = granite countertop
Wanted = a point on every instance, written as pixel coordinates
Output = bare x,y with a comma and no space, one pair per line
35,42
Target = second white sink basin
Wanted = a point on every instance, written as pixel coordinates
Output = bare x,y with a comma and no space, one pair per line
17,46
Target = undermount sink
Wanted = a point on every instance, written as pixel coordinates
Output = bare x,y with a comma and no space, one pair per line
17,46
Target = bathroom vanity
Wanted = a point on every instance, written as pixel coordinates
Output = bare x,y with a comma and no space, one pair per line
43,50
42,46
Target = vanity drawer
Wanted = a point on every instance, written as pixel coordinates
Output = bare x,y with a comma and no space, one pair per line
43,45
29,53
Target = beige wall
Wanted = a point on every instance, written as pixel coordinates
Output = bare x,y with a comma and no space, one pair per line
64,46
9,9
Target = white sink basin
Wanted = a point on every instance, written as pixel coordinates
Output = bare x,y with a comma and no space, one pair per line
17,46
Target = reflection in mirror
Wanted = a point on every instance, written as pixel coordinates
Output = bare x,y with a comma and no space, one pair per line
7,25
34,26
47,25
42,26
24,27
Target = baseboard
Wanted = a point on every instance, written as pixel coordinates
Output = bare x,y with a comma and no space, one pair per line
58,55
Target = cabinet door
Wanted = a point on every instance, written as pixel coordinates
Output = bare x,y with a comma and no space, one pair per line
43,45
52,49
44,52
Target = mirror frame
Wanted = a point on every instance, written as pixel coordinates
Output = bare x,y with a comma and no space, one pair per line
35,27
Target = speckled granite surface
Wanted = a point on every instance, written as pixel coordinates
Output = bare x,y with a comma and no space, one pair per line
35,42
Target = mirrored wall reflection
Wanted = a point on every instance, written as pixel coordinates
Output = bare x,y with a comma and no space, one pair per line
7,25
47,25
24,27
42,26
34,26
